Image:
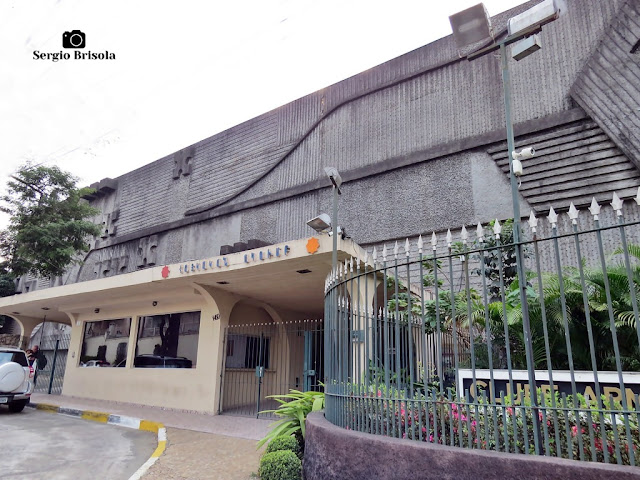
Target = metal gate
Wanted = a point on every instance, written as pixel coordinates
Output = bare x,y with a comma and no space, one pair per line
265,359
51,377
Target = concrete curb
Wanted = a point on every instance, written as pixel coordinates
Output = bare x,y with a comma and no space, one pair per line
123,421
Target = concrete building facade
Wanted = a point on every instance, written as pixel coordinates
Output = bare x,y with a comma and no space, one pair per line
420,143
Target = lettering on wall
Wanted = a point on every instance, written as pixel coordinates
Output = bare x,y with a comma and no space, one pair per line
147,255
183,162
521,390
112,266
221,262
109,228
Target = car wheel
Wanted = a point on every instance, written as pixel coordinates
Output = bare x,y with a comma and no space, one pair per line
17,406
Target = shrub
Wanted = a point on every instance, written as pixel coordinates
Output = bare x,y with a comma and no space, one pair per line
284,442
294,408
280,465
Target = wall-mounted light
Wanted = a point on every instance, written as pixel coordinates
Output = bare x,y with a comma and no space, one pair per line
45,308
96,310
222,283
321,223
154,303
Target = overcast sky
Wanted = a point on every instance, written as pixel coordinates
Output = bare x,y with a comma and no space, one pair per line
184,70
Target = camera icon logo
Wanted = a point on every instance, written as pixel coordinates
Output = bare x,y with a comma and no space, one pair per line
74,39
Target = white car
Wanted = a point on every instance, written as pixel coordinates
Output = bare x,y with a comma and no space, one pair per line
16,378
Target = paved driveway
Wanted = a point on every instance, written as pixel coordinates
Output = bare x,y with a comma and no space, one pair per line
37,444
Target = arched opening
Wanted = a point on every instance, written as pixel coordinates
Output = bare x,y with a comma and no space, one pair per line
52,340
264,356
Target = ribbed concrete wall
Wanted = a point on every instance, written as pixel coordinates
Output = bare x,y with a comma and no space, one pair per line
417,139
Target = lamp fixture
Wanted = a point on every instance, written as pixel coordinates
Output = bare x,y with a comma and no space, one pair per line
154,303
223,283
321,223
45,308
306,270
96,310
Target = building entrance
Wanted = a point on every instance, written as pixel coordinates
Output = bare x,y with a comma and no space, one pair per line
264,359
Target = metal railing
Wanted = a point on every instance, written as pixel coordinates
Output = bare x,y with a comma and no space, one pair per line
437,346
51,378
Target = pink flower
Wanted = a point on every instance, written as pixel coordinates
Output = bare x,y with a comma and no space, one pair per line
473,423
431,438
574,431
510,411
454,407
424,430
463,418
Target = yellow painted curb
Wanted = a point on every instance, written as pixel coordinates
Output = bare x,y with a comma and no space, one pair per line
160,449
47,408
150,426
95,416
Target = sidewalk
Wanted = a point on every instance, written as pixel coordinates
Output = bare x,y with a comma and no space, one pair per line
198,445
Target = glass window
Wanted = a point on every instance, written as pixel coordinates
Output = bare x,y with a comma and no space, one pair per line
247,351
168,341
104,343
18,357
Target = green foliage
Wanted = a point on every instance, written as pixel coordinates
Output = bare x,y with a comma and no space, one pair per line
280,465
498,259
294,408
551,312
48,225
284,442
7,283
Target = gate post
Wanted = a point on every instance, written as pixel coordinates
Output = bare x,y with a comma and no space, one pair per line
53,365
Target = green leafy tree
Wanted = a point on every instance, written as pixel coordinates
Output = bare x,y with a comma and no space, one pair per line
48,224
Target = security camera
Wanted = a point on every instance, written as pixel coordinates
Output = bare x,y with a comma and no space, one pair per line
334,176
523,154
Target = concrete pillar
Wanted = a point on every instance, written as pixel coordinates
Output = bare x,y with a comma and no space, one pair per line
211,342
362,292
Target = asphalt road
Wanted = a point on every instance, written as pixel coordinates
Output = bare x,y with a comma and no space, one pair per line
36,444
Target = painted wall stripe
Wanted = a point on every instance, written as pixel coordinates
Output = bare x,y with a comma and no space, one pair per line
95,416
128,422
150,426
47,408
71,412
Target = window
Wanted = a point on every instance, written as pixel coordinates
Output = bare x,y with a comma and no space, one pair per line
168,340
104,343
246,351
18,357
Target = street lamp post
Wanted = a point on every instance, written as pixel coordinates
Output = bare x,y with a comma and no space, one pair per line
469,27
336,180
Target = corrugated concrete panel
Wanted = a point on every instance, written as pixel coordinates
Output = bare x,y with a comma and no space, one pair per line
572,163
455,101
148,196
608,87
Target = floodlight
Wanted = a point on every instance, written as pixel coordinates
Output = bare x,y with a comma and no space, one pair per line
537,15
321,223
471,26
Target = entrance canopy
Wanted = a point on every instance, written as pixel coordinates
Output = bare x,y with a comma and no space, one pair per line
288,275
